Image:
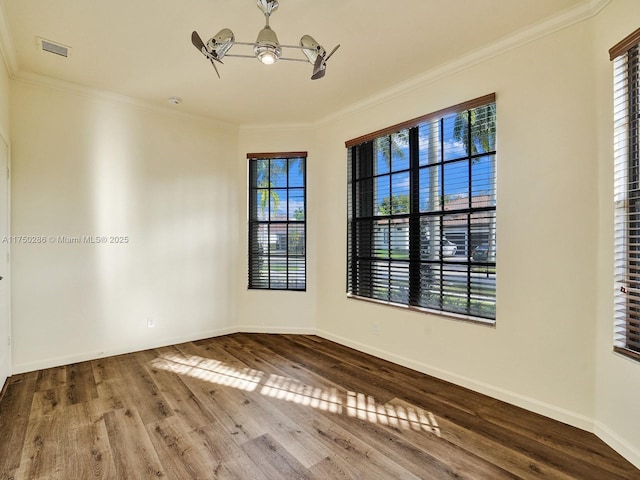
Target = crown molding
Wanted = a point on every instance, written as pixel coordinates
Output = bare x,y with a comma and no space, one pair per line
108,96
542,29
277,127
566,19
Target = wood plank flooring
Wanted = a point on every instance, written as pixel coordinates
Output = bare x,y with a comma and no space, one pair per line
258,406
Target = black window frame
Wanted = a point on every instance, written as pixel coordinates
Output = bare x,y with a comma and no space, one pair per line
285,258
387,277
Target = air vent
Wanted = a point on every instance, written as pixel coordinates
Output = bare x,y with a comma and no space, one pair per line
53,47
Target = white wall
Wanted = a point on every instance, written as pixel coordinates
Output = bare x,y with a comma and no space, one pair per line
540,354
617,378
177,186
4,99
278,311
5,321
551,349
96,165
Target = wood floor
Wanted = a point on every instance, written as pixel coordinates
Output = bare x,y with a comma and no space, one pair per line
257,406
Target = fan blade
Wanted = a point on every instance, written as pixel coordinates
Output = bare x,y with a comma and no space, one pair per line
318,66
319,74
197,41
332,52
199,44
214,66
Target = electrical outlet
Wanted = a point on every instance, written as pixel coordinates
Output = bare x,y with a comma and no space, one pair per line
151,322
375,328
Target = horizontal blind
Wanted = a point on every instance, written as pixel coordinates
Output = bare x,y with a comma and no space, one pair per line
422,213
627,200
277,221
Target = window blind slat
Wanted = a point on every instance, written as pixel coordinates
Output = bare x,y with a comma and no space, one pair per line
277,221
421,213
626,106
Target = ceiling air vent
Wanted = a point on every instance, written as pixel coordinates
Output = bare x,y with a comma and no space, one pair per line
53,47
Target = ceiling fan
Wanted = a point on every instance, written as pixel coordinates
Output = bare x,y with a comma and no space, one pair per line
266,48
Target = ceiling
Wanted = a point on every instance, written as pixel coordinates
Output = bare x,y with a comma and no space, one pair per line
142,48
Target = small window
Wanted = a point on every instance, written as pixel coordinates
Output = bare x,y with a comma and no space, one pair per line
277,221
422,213
626,86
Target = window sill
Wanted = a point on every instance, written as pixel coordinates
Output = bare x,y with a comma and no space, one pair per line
631,354
455,316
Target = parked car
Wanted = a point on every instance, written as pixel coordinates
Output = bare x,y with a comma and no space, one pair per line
449,248
480,253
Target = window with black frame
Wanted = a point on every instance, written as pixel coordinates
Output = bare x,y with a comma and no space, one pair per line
422,213
277,221
626,72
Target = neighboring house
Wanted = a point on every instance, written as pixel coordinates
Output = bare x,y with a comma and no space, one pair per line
395,235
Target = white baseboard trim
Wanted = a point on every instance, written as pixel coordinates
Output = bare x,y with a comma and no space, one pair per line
5,369
549,410
617,443
276,330
86,356
528,403
3,386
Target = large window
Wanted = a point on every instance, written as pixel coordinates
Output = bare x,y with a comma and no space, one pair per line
277,221
626,58
422,212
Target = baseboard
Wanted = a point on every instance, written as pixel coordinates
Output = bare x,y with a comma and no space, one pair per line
276,330
617,443
5,370
552,411
86,356
3,389
528,403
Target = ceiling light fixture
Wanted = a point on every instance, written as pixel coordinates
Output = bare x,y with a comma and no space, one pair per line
266,48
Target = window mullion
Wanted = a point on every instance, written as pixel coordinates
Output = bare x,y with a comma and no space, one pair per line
365,168
470,202
286,226
415,266
440,225
269,193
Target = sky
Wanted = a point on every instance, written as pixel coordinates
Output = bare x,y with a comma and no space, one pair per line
393,176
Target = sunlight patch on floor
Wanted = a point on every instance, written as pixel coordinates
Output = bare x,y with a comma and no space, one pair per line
407,417
210,370
292,390
353,404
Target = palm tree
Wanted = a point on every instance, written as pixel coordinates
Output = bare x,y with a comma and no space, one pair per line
476,129
393,145
263,172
